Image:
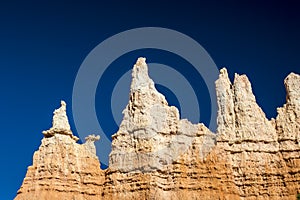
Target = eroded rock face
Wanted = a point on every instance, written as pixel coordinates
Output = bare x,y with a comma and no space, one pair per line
62,169
151,135
288,130
250,141
157,155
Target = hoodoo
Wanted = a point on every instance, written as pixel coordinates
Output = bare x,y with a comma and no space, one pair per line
157,155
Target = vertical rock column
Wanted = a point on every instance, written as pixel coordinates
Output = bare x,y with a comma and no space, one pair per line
147,126
249,138
288,129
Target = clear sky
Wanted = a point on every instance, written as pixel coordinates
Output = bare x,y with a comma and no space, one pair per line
42,45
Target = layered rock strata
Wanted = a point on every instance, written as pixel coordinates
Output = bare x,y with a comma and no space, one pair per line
254,145
63,169
157,155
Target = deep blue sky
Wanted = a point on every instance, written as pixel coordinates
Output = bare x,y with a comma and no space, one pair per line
43,44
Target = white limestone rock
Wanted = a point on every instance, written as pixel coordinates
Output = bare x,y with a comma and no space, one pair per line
60,123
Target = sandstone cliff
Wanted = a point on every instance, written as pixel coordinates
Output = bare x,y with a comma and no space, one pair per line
157,155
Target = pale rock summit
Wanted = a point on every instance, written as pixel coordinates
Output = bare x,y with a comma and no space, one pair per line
226,117
288,124
151,134
249,139
60,123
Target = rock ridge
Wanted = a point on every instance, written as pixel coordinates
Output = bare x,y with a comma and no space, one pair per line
157,155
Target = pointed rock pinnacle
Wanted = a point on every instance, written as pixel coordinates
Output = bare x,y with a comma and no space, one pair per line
151,134
226,115
60,119
140,77
60,123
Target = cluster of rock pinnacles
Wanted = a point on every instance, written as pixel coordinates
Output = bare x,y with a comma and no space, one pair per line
157,155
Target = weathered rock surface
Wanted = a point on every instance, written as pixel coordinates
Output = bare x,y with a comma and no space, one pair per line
157,155
62,169
151,135
252,142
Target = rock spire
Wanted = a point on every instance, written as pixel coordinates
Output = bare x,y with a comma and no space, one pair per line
151,134
60,123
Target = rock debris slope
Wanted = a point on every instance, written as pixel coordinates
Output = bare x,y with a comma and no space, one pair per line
157,155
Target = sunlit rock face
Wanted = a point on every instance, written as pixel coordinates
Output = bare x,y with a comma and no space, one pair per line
151,135
62,169
263,157
157,155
